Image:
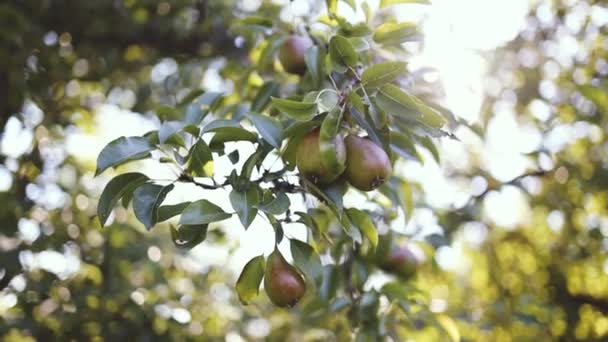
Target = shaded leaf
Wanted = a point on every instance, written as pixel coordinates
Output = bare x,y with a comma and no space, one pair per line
248,284
189,236
277,206
403,145
122,150
362,220
202,212
331,160
198,156
166,212
119,186
262,98
296,110
199,108
146,200
270,128
306,259
244,203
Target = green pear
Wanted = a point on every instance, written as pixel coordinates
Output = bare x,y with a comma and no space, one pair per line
292,52
308,158
367,165
283,283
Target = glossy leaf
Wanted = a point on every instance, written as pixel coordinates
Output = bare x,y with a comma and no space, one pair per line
168,129
380,74
146,200
403,145
342,51
189,236
199,108
202,212
396,33
123,150
198,156
270,128
362,220
296,110
166,212
306,259
327,143
313,57
395,101
116,188
248,284
244,203
277,206
262,99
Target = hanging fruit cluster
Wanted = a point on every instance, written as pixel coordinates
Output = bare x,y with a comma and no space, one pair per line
327,114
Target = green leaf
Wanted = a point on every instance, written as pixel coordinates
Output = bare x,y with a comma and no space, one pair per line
202,212
326,99
248,284
122,150
169,129
262,99
244,203
270,128
332,198
329,282
301,111
362,220
191,96
360,44
227,130
256,21
234,156
254,160
400,193
352,4
396,33
198,109
332,6
430,146
395,101
330,158
373,134
382,73
189,236
367,11
313,57
166,212
198,156
384,3
116,188
403,145
306,259
342,51
277,206
146,200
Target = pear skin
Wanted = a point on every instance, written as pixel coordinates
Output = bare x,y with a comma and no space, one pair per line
367,165
283,283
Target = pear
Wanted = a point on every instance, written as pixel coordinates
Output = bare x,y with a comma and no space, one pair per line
367,165
283,283
402,261
308,158
292,52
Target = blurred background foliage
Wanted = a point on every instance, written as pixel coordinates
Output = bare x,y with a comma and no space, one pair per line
539,276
